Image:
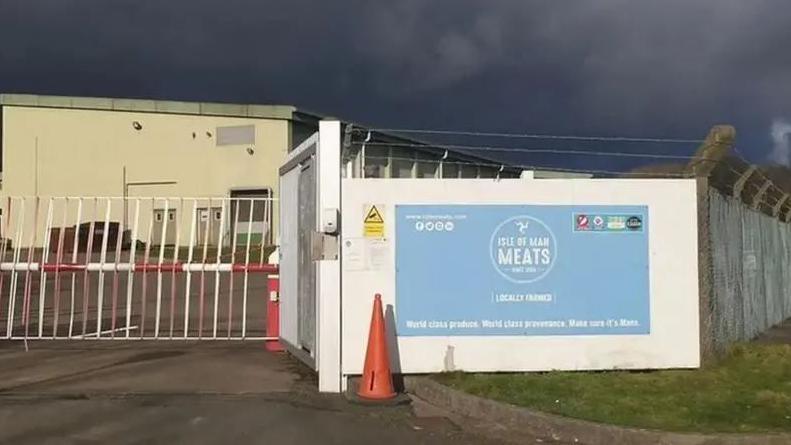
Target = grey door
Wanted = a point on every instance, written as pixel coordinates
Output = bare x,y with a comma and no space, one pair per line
306,284
164,223
208,228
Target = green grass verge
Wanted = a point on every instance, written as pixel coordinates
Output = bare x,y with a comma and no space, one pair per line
747,392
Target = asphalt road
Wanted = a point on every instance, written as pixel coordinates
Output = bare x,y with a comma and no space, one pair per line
215,419
197,393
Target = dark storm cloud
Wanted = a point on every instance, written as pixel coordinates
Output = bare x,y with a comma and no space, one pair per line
659,68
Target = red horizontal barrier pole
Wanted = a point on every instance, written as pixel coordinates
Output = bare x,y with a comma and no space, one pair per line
62,267
140,267
265,268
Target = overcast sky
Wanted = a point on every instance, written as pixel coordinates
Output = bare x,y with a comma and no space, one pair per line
669,68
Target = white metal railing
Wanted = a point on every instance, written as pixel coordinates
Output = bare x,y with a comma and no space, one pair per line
135,268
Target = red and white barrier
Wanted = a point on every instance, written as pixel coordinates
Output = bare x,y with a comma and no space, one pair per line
273,315
135,268
138,267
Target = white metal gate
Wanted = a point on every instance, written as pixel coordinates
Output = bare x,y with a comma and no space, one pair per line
135,268
310,304
298,219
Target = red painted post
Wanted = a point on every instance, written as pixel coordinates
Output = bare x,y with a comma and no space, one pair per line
273,314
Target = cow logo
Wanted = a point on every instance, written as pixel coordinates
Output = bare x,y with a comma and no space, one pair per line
523,249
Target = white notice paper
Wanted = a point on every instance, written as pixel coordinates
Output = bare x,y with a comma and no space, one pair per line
378,253
353,254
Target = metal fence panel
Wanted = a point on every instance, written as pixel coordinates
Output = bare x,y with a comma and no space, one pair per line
751,267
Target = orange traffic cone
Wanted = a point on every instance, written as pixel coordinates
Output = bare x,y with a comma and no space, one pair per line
377,381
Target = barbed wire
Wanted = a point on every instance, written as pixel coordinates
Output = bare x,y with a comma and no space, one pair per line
558,151
539,150
767,197
760,172
770,196
531,135
494,165
747,188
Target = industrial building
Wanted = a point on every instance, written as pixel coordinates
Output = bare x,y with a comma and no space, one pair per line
81,147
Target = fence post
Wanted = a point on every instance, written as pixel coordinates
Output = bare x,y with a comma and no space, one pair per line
705,274
712,151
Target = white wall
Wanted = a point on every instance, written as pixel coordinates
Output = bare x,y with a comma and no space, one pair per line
368,268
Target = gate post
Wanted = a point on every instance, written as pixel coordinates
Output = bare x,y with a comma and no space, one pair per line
328,304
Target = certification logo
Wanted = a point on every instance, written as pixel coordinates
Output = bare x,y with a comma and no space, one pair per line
582,222
523,249
598,222
616,222
634,223
608,223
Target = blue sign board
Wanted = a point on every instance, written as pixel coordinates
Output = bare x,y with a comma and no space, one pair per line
522,270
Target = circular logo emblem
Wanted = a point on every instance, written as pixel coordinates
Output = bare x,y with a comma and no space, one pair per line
634,223
582,222
523,249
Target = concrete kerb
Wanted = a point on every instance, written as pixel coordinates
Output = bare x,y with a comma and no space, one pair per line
520,420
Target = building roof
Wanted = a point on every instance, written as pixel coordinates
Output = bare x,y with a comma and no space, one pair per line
151,106
284,112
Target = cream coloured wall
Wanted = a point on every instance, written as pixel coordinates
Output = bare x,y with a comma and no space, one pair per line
70,152
83,152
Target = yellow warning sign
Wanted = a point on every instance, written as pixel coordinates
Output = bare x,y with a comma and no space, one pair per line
374,223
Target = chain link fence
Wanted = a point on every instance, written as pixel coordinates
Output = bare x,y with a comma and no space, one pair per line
750,264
